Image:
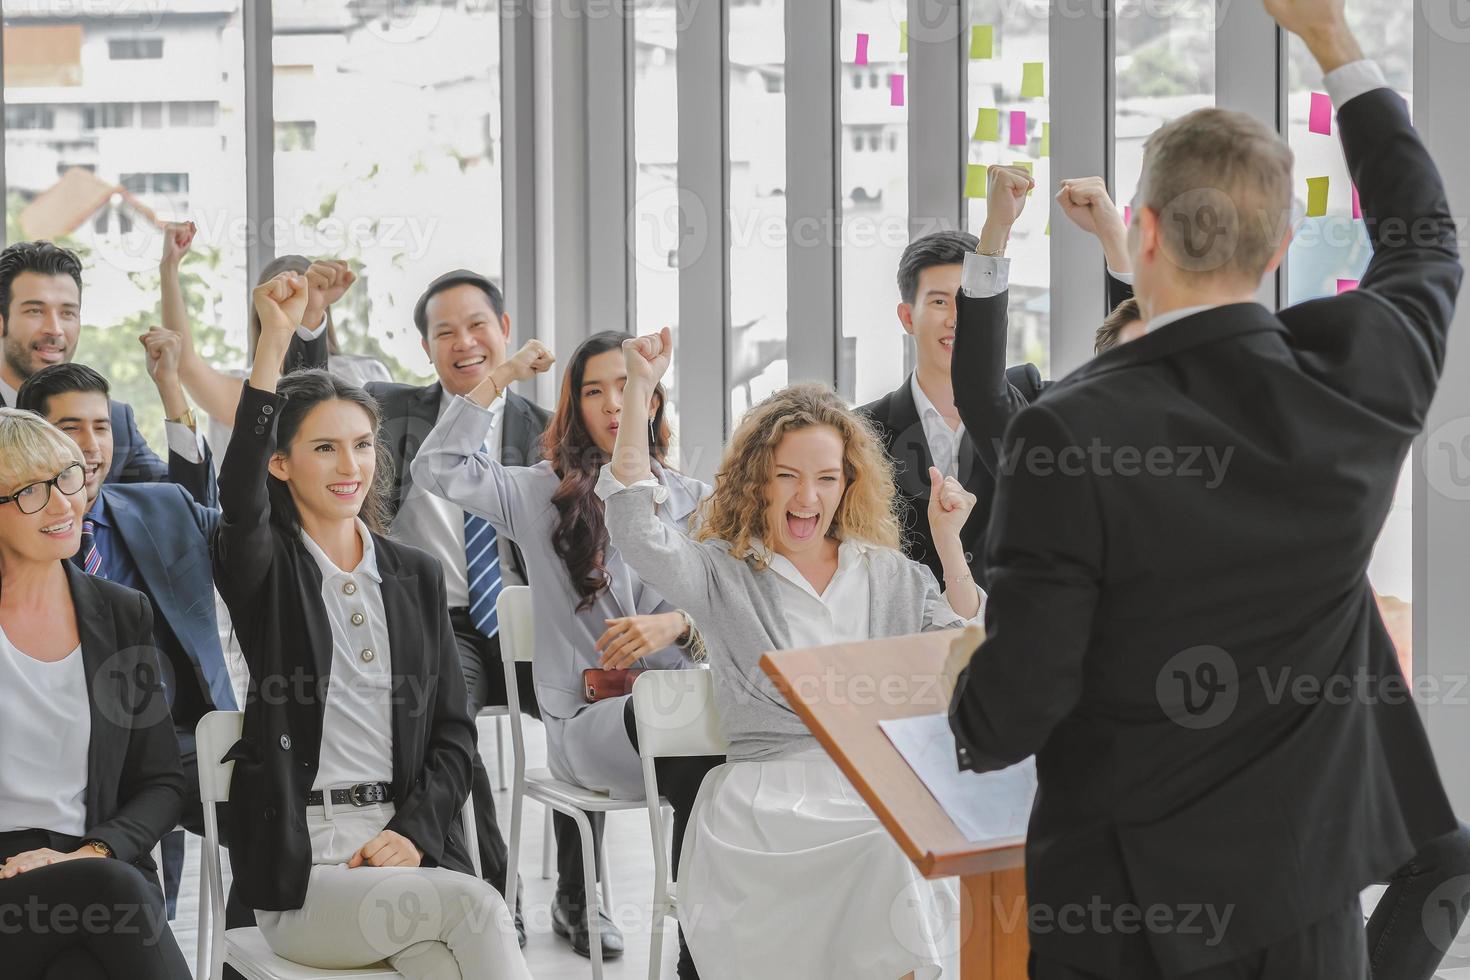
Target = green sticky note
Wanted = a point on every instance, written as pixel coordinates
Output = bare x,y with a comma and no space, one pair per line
1046,139
1316,197
1030,168
975,178
1033,80
982,41
903,37
987,127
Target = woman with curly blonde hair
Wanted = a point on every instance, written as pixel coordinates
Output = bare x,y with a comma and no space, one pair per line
789,871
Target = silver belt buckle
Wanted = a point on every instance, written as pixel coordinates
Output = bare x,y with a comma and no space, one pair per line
354,793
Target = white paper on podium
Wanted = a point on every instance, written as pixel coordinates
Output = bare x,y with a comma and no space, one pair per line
984,806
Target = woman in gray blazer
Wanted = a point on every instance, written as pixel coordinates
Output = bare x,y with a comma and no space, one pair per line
591,609
797,546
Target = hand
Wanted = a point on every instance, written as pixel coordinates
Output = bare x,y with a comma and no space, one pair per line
633,637
1006,195
1322,24
177,237
949,505
164,349
647,357
389,849
532,359
1085,200
280,303
326,280
31,860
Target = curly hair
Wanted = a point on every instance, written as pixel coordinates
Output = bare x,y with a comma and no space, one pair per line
736,512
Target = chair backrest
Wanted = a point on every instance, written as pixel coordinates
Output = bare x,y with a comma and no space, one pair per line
213,736
676,715
517,623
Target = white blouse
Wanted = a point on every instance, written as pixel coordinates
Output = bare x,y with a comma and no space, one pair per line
840,613
45,729
357,732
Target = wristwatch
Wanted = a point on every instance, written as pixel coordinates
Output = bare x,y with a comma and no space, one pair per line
99,846
186,419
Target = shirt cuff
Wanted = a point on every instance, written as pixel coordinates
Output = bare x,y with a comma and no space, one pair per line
307,334
1124,277
985,275
609,485
1352,80
184,441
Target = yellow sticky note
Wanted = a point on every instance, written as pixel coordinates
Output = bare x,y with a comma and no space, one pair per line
1030,168
1316,197
1048,226
903,37
987,127
1033,80
975,178
1046,139
982,41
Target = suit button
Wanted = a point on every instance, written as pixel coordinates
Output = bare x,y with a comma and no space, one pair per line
267,409
286,742
349,589
358,619
260,419
969,558
367,656
269,813
260,430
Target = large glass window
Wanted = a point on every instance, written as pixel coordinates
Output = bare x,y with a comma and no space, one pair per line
1009,120
98,154
756,347
874,144
388,155
1331,250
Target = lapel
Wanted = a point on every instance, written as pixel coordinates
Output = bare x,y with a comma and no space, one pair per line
107,682
318,628
421,413
410,659
1207,327
517,440
909,447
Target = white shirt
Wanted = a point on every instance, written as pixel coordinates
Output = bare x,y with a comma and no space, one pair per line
8,393
944,442
437,526
45,728
840,613
357,723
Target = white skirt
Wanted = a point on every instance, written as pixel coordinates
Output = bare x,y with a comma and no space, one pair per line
786,872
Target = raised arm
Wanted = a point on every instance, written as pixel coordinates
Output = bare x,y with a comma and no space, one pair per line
215,392
452,463
242,544
189,462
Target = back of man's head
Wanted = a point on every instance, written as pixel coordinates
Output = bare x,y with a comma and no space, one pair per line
1219,183
58,379
42,258
937,248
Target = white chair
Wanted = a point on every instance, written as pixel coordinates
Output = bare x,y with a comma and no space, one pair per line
246,949
498,712
517,645
675,714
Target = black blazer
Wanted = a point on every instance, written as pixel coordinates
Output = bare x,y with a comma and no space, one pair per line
272,586
409,413
896,419
135,786
1188,642
987,393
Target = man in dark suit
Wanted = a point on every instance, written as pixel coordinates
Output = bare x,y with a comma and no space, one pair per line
41,324
1179,622
464,327
918,421
152,538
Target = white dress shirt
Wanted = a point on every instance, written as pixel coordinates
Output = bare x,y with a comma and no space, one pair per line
357,722
8,393
944,442
45,729
838,614
437,526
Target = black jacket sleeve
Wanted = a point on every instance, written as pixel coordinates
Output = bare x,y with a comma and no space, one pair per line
985,399
196,478
243,544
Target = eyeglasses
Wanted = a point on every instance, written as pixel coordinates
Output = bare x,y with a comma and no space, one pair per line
33,498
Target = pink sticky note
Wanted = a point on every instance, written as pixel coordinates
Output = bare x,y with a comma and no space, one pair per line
862,50
895,84
1320,118
1127,215
1018,129
1344,285
1357,205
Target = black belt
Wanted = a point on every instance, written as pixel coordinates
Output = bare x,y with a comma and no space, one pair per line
363,794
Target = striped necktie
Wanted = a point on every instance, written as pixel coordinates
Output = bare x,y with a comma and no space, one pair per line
482,563
88,558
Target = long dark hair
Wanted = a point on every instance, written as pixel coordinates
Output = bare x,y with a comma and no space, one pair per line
580,536
304,391
283,263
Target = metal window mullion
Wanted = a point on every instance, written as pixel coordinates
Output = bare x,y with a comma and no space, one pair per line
1082,100
609,146
4,187
518,170
260,143
813,215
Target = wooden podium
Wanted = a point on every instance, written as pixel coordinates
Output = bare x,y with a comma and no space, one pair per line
842,692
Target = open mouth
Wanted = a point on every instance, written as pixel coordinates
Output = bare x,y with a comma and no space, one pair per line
947,342
60,530
802,525
50,353
90,471
344,490
469,362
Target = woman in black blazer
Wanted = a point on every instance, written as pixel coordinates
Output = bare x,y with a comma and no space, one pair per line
354,760
89,766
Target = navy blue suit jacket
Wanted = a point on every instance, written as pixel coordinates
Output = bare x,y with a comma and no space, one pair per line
167,536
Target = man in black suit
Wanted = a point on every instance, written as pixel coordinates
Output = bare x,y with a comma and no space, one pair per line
1179,622
918,421
464,327
41,324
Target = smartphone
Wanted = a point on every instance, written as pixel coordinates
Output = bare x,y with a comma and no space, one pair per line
600,683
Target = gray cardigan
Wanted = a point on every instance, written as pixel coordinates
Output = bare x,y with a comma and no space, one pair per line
740,613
